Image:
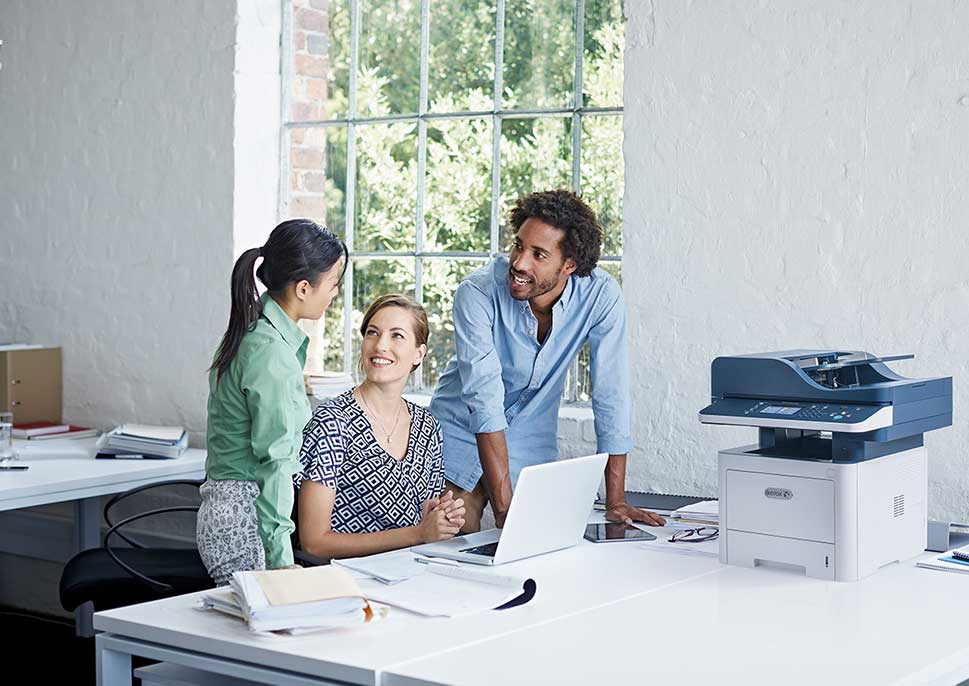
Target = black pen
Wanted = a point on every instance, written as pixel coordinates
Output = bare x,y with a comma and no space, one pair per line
13,467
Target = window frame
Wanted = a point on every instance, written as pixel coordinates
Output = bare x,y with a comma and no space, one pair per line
422,117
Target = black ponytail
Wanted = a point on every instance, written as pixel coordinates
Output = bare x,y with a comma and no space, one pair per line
296,250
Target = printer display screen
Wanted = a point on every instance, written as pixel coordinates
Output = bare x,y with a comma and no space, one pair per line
780,409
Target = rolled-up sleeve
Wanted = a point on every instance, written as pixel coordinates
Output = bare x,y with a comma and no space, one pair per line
478,365
609,367
275,445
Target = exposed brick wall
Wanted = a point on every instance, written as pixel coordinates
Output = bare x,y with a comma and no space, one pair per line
308,92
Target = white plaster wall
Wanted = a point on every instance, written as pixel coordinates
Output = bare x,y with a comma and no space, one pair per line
138,156
257,119
796,176
117,196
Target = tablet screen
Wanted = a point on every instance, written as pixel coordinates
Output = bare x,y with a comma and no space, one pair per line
616,532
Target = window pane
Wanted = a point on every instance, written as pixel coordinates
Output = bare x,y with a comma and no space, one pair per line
373,278
441,279
602,54
320,77
457,195
386,192
539,59
461,64
318,176
536,155
601,182
388,74
614,268
325,351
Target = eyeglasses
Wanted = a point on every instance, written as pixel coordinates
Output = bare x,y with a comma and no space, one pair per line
704,533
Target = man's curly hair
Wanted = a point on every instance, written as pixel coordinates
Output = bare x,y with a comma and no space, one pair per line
582,239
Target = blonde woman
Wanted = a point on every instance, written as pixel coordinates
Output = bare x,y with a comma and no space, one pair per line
372,463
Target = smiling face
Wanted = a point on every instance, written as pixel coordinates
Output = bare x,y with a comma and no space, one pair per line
390,351
537,265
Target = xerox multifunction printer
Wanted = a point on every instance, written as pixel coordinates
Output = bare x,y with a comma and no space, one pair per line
836,485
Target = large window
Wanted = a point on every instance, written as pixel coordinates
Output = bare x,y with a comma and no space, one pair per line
411,126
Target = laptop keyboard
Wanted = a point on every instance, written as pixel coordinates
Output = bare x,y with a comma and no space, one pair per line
488,549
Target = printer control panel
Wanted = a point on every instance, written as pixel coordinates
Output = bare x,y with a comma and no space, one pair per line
793,414
818,412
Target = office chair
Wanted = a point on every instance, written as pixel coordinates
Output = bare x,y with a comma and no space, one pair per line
112,577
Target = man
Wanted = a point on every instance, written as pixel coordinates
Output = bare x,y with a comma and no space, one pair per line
518,323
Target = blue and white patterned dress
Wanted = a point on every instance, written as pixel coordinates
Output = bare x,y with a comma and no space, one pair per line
374,490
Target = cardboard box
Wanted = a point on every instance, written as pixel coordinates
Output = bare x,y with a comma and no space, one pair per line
30,383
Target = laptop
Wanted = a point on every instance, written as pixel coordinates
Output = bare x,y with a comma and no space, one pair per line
549,511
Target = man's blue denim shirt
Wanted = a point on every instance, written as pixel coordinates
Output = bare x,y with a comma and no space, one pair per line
502,379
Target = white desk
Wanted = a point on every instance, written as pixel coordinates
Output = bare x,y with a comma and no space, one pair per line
569,582
603,614
903,625
83,479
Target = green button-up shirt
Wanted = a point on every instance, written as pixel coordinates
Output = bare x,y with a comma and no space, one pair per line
257,412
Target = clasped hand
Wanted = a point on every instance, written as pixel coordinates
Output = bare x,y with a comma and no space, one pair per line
442,518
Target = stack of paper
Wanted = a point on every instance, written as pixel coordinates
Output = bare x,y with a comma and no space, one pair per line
328,384
293,600
705,513
145,440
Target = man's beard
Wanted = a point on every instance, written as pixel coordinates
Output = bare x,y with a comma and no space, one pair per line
537,288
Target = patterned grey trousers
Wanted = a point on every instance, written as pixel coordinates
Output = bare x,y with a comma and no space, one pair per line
228,529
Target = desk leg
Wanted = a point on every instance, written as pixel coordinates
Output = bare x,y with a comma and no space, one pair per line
87,535
114,667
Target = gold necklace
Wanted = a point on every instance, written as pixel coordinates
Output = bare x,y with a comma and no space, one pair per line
374,415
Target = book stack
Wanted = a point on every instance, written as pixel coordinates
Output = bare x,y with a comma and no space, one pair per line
143,440
328,384
42,431
292,600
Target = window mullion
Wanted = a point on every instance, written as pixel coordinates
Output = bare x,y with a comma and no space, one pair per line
496,124
351,190
573,390
418,381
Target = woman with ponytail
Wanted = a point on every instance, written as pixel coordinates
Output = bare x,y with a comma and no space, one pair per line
257,402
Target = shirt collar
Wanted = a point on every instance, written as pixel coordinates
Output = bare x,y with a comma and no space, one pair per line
280,321
563,302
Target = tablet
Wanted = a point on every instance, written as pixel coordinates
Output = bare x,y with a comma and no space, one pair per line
615,533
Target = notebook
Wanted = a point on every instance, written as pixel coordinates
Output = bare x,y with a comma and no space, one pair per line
448,589
945,563
961,553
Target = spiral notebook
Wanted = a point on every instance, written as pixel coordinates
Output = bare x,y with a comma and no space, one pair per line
961,553
947,562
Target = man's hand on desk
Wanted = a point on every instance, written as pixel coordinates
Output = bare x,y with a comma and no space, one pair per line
621,512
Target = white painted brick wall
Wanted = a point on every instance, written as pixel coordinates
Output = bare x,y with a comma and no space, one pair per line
138,156
796,176
116,200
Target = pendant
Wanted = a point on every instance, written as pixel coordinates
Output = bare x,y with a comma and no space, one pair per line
389,439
